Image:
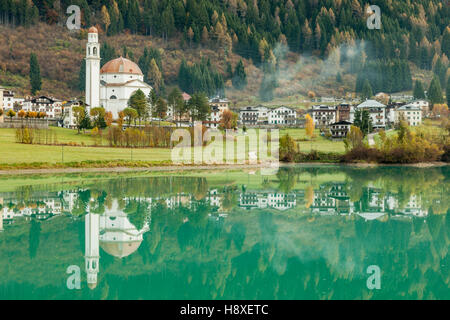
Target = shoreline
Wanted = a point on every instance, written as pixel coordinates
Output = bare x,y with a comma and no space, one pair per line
171,167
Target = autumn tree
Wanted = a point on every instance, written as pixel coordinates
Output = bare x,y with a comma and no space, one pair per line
309,126
130,114
108,118
228,120
354,138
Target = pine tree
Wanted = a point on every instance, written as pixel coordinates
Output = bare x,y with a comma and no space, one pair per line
435,92
366,90
447,92
107,53
239,77
82,76
35,74
418,92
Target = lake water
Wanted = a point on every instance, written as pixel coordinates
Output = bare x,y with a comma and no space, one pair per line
319,232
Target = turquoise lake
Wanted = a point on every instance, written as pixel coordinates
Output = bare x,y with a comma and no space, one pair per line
300,232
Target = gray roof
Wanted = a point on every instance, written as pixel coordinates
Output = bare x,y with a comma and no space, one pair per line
371,104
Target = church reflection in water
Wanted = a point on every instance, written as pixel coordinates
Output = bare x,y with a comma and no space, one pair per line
114,233
115,224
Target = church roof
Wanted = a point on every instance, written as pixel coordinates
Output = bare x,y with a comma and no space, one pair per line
103,83
92,30
121,65
120,249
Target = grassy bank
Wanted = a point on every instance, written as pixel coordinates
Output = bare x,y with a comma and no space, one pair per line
23,156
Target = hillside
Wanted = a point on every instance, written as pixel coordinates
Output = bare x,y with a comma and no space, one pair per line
288,47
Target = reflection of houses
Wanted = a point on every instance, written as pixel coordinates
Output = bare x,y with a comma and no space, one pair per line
332,200
262,200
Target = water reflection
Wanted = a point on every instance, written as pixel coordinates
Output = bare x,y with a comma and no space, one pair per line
246,231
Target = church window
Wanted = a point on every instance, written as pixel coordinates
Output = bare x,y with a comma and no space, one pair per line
89,51
113,97
95,51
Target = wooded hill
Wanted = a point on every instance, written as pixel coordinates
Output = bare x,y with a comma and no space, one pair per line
322,39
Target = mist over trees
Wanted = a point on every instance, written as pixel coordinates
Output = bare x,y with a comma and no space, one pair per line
412,32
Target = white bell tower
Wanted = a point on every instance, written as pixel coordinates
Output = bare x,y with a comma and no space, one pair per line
93,69
92,252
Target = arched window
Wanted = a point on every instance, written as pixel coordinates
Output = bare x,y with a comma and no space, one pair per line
95,51
89,51
112,97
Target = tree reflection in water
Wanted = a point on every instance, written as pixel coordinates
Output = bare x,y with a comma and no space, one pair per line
302,233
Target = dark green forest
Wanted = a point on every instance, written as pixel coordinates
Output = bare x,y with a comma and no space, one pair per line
414,31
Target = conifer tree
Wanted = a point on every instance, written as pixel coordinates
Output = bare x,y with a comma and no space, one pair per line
435,92
35,74
239,77
418,92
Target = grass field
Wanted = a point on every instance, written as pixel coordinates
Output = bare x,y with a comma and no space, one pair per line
318,143
12,152
16,153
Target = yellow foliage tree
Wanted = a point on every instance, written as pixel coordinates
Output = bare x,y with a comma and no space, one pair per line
309,126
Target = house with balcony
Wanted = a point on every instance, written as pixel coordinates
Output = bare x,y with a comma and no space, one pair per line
252,116
340,129
410,113
323,115
282,116
377,113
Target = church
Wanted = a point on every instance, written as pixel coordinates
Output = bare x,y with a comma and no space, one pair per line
112,85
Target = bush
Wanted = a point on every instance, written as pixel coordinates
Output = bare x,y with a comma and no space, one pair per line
288,148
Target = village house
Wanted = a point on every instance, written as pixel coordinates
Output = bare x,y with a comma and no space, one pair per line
218,107
377,113
251,116
340,129
343,112
423,105
176,117
50,106
410,113
323,115
282,115
68,118
11,102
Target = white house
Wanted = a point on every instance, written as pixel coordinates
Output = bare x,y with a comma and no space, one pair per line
282,115
253,115
9,99
218,107
377,113
340,129
409,113
422,104
323,115
49,105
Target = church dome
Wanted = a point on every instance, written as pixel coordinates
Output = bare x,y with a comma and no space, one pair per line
120,249
121,65
92,30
